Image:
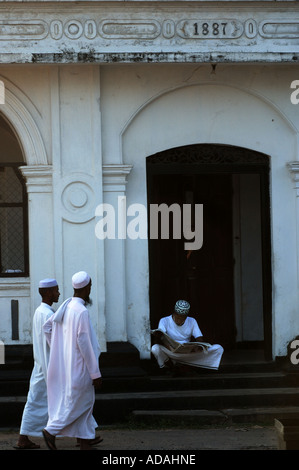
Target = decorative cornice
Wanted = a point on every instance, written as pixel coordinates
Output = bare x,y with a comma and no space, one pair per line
293,168
38,178
115,176
15,286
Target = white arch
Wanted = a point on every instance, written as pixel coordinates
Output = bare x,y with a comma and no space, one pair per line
206,113
24,126
217,114
254,93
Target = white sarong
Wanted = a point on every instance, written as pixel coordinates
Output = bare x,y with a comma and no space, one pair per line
209,359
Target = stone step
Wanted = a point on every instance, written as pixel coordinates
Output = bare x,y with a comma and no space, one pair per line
129,379
118,354
227,416
120,407
15,382
112,407
120,364
222,380
130,385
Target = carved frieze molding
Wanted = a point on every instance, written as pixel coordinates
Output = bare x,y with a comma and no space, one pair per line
181,31
196,28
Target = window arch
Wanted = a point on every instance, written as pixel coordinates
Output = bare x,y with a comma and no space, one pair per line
14,259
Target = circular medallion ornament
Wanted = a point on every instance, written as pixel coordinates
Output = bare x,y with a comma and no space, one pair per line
78,201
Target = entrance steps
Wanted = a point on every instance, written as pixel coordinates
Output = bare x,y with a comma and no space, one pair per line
245,389
242,391
228,398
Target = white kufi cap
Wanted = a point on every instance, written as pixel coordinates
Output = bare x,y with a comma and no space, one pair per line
47,283
80,280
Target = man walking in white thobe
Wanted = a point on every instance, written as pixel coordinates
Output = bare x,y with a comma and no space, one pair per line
73,371
180,327
35,414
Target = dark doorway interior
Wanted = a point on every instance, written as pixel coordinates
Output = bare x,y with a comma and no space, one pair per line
204,174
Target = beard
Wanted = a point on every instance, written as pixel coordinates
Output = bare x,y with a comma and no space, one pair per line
88,301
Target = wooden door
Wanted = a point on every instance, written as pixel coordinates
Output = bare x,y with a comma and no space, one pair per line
203,277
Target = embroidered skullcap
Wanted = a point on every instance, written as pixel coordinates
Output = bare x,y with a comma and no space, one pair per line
80,280
182,307
47,283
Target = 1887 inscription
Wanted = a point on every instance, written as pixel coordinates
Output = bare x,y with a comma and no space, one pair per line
210,29
195,28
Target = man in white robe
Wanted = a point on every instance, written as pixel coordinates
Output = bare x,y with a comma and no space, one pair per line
180,327
35,414
73,371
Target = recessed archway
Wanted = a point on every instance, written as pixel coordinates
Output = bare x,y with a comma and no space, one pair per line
14,254
222,289
23,125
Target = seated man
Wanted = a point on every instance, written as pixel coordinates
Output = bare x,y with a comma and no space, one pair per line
181,328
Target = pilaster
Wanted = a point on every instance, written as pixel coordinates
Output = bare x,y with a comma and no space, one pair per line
114,187
40,213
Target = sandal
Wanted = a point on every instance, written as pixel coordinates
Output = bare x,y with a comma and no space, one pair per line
93,442
49,440
30,446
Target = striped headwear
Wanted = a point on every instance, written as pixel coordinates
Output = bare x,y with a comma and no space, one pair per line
182,307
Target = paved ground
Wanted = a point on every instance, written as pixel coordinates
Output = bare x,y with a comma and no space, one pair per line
251,437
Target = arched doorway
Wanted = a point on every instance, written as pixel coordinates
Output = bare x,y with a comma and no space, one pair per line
24,155
14,255
221,280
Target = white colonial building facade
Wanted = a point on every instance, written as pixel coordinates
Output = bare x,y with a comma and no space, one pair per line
149,102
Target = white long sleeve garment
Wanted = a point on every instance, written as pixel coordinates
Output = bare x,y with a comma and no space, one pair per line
35,414
73,364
